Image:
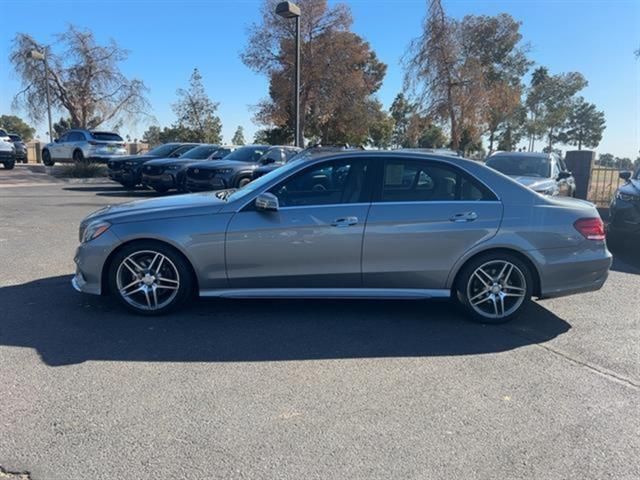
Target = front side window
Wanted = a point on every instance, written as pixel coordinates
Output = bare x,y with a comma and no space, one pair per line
328,183
181,150
418,181
246,154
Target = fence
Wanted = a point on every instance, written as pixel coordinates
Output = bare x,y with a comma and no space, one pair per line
603,185
34,150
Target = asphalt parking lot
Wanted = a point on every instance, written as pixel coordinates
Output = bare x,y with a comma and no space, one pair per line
299,389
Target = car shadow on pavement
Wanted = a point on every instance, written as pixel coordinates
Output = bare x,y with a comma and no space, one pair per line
66,327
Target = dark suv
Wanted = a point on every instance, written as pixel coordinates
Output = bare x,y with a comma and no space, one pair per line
295,153
21,148
128,170
233,171
545,173
624,211
163,174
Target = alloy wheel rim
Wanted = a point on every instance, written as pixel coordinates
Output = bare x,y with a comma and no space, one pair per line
496,289
147,280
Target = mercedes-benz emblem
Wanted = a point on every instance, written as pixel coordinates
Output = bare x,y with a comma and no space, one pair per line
196,171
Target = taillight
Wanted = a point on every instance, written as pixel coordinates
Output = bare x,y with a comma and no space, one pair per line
590,228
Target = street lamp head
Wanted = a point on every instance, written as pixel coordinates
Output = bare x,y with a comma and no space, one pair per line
36,55
287,10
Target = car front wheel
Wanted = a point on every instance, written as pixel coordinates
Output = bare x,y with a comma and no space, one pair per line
46,159
150,278
494,288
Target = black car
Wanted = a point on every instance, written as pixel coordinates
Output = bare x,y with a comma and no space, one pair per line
624,211
233,171
128,170
545,173
163,174
21,148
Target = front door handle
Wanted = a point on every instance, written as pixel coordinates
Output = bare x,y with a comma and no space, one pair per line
464,217
344,222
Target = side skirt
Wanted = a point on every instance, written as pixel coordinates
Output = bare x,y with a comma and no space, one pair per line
388,293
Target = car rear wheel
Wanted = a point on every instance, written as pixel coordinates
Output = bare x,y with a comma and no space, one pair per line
46,159
150,278
161,189
494,288
78,156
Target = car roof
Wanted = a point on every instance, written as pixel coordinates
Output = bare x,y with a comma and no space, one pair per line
521,154
391,154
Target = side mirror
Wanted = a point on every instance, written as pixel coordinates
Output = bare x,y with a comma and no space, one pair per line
267,202
625,175
56,140
267,161
564,174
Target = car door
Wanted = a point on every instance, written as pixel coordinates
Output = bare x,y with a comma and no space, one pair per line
74,140
425,215
314,239
56,150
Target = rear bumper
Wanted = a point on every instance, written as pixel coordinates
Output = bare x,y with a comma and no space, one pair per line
567,271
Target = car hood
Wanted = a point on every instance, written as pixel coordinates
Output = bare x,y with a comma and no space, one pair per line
134,158
163,207
534,183
632,187
164,162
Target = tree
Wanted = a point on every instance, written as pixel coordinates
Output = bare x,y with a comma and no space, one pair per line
85,80
549,100
584,125
196,112
61,126
401,111
152,135
238,137
381,126
339,72
13,124
606,159
273,136
454,66
432,137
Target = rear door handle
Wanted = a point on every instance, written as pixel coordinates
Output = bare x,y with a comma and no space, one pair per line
464,217
344,222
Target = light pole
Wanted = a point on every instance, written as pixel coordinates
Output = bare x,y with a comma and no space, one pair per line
36,55
291,10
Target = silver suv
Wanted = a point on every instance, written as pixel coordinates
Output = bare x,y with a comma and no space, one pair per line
80,145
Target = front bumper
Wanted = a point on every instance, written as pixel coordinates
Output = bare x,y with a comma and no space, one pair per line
215,183
164,180
103,158
7,156
90,259
624,217
126,175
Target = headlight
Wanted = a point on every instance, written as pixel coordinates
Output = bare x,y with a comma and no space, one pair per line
625,197
93,231
548,191
224,171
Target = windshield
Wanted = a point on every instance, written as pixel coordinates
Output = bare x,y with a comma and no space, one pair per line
107,136
261,181
246,154
521,166
200,153
15,138
163,150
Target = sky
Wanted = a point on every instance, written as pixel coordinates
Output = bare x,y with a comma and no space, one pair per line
168,38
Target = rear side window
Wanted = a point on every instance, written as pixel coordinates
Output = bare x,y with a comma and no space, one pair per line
420,181
76,137
107,136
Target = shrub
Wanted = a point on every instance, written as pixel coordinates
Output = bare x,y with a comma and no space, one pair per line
80,170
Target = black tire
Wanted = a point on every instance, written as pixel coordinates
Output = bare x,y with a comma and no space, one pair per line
161,189
243,181
46,159
480,289
173,260
10,164
128,185
78,156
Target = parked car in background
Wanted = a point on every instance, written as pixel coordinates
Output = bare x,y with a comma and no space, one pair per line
163,174
545,173
21,148
78,145
7,154
128,170
4,135
624,211
297,153
233,171
387,225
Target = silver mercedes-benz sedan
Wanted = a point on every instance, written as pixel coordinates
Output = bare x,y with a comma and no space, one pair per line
353,224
